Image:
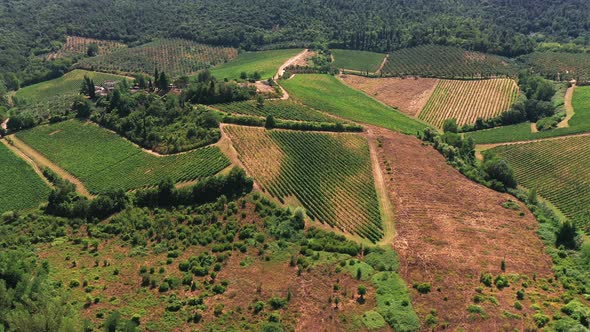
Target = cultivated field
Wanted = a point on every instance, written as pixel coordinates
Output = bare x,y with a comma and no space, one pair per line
558,169
408,95
446,62
579,123
329,174
266,63
450,230
358,60
104,161
559,65
79,46
21,187
466,101
280,109
67,85
176,57
328,94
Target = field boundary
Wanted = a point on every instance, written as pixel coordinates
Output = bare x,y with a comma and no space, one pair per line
34,156
483,147
569,107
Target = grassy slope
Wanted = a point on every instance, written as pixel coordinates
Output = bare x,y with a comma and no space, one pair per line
357,60
328,94
21,187
104,161
68,84
266,63
579,123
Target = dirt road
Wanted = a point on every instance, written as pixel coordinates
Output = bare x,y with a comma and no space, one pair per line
569,108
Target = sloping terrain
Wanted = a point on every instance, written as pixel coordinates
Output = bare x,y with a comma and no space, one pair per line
450,230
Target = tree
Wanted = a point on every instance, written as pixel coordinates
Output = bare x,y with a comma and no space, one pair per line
92,50
362,291
270,122
88,88
359,273
498,171
82,107
567,235
450,126
244,75
163,82
259,101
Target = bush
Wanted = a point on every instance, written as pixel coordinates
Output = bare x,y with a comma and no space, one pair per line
423,288
164,287
541,320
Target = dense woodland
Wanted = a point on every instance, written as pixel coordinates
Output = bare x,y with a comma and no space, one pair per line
503,27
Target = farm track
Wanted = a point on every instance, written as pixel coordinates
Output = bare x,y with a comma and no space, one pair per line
281,71
569,107
31,155
378,71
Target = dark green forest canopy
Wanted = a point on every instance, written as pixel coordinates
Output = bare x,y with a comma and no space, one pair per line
504,27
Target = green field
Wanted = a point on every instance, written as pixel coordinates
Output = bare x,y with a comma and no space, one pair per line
280,109
267,63
446,62
329,174
104,161
558,169
21,187
176,57
69,84
357,60
579,123
328,94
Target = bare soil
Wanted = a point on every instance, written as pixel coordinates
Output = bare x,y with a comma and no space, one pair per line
450,230
569,108
409,95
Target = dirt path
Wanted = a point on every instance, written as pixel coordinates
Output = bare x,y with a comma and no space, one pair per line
378,71
289,62
534,128
569,108
4,124
28,160
41,161
386,208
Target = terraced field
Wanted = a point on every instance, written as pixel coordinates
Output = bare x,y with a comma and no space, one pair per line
104,161
558,169
357,60
329,174
176,57
446,62
467,101
280,109
266,63
328,94
21,187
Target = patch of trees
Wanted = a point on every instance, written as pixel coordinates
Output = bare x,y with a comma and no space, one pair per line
206,89
270,122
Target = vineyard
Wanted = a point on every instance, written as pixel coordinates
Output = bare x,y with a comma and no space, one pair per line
176,57
79,46
21,187
446,62
329,174
67,85
281,109
558,169
104,161
466,101
266,63
328,94
559,65
357,60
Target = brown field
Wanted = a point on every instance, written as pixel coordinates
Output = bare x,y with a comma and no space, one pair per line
450,230
409,95
79,45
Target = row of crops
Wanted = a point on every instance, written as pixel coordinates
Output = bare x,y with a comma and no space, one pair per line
21,187
103,161
559,66
446,62
79,45
281,109
176,57
466,101
329,174
558,169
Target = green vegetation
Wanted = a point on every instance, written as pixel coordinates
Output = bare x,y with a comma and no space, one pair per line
579,123
393,302
446,62
104,161
329,174
280,109
326,93
560,66
558,169
266,63
176,57
21,187
357,60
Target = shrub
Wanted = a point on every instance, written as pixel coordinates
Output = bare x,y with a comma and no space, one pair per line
541,320
164,287
423,288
